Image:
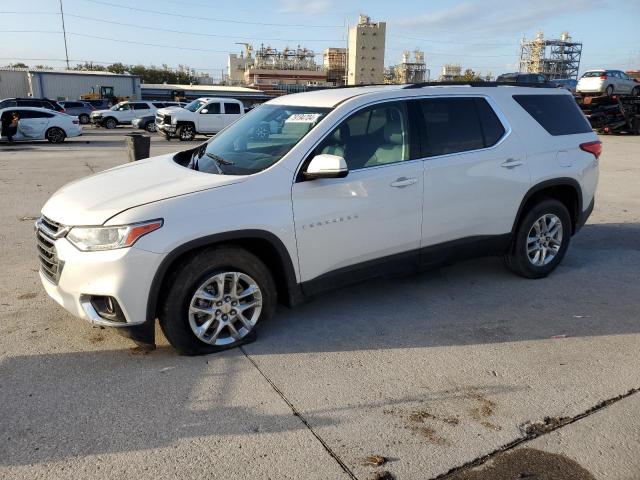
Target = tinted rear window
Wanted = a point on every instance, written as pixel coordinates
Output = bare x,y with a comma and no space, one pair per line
452,125
557,114
592,74
231,108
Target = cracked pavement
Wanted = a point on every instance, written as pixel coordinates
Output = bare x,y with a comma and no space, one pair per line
442,374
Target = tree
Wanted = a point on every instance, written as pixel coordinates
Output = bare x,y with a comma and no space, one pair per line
468,76
18,65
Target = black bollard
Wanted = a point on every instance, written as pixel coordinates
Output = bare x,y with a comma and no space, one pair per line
138,146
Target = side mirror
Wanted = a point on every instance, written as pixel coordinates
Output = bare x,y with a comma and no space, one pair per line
204,110
326,166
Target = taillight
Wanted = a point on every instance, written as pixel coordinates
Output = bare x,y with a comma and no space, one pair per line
62,110
592,147
603,76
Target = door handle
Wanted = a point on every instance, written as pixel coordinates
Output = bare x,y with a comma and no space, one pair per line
511,163
403,182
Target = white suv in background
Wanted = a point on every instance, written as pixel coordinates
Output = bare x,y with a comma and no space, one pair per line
607,81
204,116
122,113
353,183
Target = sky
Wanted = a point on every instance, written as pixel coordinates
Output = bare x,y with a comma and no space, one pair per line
483,36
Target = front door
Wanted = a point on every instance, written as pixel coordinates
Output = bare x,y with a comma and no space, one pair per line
210,118
352,225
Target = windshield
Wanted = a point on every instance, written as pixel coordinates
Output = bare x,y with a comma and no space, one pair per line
120,106
195,105
257,140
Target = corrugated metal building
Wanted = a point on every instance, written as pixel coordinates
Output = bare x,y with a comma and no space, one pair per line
164,91
63,84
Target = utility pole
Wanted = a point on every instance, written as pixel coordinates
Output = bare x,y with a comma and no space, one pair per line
64,33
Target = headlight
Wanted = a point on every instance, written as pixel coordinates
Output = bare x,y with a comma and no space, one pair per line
91,239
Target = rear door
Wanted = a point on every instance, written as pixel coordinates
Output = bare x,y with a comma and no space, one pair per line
210,118
231,112
475,173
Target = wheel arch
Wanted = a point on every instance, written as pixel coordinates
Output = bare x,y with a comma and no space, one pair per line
566,190
265,245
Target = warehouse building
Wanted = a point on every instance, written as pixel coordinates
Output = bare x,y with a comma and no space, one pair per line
166,91
64,84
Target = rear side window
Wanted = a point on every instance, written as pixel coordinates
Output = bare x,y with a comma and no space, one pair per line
452,125
139,106
34,114
159,105
231,108
557,114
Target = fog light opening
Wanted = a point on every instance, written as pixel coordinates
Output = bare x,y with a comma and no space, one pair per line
108,308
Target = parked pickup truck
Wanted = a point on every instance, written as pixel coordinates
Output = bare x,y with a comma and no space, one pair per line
203,115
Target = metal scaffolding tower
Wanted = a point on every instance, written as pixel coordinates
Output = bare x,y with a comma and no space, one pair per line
558,58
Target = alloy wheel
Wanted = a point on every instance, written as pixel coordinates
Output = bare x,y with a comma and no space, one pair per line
225,308
55,135
544,240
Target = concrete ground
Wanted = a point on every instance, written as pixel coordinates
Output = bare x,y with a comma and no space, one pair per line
464,372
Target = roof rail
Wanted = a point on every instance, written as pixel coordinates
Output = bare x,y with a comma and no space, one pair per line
478,84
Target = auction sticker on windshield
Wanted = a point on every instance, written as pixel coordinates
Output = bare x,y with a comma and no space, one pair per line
303,118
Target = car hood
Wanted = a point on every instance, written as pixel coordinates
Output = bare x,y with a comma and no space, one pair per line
95,199
101,112
166,110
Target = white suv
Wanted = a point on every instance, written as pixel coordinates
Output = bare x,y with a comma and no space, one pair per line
122,113
356,182
204,115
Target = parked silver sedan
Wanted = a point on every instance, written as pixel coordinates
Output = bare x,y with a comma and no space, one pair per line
609,82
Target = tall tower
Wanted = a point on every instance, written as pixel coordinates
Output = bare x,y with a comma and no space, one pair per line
366,52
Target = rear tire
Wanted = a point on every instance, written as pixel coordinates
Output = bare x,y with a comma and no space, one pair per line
635,91
541,240
194,284
55,135
150,127
83,118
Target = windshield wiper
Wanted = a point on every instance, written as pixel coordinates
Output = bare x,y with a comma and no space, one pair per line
218,159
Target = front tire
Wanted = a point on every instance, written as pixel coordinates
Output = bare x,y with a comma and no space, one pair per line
55,135
110,123
215,299
635,91
186,133
541,240
609,91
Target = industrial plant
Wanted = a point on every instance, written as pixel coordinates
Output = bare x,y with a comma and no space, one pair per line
554,58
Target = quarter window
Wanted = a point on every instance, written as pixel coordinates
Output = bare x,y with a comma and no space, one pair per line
492,128
557,114
377,135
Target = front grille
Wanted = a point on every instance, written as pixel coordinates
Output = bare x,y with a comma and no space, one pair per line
50,265
167,119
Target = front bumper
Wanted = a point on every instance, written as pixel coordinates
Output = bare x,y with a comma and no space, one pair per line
96,120
166,129
124,274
